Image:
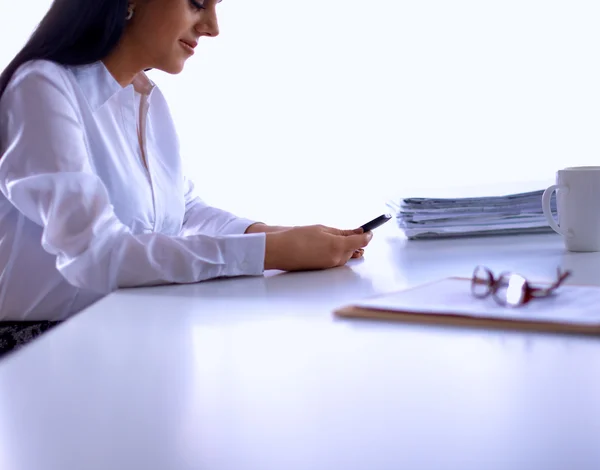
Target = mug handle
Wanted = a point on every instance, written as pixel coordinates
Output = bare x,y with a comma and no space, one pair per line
548,212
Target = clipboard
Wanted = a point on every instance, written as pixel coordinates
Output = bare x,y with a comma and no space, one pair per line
573,309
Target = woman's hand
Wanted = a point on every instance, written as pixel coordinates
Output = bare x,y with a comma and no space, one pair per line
336,231
313,247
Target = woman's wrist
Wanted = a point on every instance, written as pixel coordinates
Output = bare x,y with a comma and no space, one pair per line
273,250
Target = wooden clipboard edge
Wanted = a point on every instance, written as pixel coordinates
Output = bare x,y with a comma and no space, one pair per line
460,319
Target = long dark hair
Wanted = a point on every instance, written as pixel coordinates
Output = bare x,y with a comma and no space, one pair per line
73,32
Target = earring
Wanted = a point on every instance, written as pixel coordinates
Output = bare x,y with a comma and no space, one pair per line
130,9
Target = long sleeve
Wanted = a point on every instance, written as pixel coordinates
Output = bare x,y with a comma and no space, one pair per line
45,172
202,218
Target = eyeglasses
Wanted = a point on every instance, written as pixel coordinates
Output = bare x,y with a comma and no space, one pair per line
511,289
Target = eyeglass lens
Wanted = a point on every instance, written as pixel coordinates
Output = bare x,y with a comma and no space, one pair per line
510,289
481,284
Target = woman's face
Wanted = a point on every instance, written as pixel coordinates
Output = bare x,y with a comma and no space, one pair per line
166,31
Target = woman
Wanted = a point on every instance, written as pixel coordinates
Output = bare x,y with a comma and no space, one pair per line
93,194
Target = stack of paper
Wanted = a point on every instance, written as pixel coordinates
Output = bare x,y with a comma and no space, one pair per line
424,217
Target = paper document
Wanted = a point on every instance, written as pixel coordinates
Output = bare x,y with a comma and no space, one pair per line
480,213
570,304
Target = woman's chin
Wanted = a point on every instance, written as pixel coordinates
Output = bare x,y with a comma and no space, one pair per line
173,67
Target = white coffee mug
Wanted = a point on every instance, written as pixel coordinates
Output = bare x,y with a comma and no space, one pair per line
578,204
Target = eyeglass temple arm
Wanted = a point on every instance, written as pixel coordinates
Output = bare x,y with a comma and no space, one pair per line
561,276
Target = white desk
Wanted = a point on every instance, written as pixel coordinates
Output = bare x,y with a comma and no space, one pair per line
256,373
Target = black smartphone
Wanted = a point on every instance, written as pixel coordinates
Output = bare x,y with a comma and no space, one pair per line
373,224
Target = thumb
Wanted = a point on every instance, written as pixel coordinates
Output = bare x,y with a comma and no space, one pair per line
358,240
347,233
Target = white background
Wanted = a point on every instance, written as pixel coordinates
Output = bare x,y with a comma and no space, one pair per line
317,112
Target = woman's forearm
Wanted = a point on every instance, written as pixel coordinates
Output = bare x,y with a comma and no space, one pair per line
259,227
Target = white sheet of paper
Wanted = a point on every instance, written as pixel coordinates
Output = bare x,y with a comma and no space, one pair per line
570,304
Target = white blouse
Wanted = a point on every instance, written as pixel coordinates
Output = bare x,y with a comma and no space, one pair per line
94,197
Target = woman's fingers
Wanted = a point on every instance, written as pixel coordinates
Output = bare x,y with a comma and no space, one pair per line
357,241
345,233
